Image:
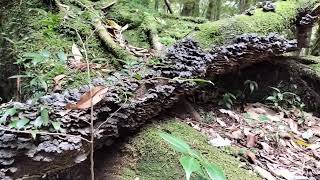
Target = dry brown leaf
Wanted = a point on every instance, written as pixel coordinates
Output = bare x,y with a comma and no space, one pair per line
251,140
221,122
236,134
58,78
231,114
251,156
76,54
95,95
57,83
316,130
266,147
293,126
83,66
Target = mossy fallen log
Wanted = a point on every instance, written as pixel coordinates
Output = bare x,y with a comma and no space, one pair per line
149,157
130,102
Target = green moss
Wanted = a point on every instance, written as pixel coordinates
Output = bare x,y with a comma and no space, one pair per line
32,28
152,158
261,22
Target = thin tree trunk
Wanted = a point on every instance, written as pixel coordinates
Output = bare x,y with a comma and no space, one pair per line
217,12
191,8
168,4
156,5
209,14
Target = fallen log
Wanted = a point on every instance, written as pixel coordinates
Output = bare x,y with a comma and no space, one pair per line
128,104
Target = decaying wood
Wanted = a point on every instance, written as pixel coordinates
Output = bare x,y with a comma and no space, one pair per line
154,41
118,113
113,47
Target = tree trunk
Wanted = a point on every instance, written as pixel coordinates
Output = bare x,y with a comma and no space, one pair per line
168,4
210,10
217,12
191,8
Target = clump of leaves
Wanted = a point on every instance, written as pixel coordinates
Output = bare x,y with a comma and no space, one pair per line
192,161
227,100
281,99
12,119
42,67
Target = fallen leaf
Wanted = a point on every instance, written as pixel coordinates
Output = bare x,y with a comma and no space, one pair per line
264,173
285,173
307,134
236,134
57,82
58,78
231,114
95,95
293,126
302,143
316,131
266,147
314,146
251,140
221,122
218,141
76,53
251,156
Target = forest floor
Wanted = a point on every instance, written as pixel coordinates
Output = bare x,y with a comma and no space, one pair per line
273,143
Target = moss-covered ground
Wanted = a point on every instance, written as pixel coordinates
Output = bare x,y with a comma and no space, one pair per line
149,157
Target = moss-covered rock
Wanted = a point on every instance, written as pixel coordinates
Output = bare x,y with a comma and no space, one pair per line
151,158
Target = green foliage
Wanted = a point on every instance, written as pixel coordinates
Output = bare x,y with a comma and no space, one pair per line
8,113
12,119
281,99
227,100
192,161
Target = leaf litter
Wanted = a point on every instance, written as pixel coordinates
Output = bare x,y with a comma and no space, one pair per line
276,145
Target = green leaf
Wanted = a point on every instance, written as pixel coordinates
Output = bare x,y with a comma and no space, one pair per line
280,96
214,172
8,112
271,98
275,89
38,122
189,165
43,83
19,76
45,54
45,116
176,143
252,87
56,125
13,124
21,123
138,76
263,118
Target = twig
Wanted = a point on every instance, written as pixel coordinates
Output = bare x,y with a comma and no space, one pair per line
91,112
2,128
109,5
112,114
